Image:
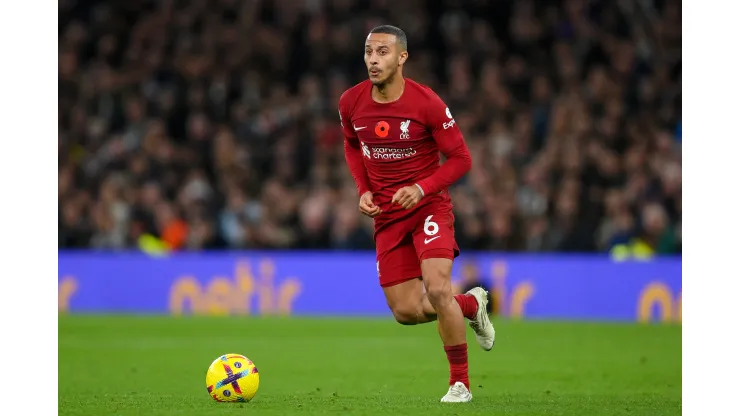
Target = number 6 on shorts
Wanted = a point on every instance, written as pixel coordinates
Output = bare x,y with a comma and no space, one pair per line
430,227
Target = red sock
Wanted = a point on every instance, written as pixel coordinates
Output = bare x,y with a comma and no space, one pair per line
468,304
457,355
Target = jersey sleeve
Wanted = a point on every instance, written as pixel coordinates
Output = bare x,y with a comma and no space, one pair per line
450,142
352,149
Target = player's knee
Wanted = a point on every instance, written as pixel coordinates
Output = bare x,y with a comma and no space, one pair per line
437,279
439,289
439,294
405,315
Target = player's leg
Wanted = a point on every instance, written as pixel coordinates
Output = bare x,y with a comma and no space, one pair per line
399,273
434,240
437,232
436,270
408,302
437,274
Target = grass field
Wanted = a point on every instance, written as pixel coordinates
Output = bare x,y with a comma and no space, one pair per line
156,366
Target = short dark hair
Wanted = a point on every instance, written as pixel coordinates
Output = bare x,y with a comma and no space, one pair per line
395,31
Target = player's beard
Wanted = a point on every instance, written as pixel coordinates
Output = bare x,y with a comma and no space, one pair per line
381,82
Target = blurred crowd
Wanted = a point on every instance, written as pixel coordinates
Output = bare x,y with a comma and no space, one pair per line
206,124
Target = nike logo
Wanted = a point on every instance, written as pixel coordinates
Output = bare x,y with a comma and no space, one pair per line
429,240
359,128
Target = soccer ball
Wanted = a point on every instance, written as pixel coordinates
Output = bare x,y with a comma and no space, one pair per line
232,378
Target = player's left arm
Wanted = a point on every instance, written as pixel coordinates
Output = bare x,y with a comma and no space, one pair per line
450,142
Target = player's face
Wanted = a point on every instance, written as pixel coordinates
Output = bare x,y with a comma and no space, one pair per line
383,57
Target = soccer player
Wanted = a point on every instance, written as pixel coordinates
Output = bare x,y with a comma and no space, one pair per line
394,132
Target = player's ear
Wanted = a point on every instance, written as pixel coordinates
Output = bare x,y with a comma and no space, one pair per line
402,57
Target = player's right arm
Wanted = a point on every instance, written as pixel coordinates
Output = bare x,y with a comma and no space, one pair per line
353,156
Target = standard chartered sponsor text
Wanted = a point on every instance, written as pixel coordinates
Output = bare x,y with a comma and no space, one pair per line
387,153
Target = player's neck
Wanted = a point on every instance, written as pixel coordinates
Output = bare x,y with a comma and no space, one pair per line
390,91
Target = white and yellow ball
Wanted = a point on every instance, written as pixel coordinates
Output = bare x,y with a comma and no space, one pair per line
232,378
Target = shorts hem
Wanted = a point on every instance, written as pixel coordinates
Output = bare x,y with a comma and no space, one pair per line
439,253
398,281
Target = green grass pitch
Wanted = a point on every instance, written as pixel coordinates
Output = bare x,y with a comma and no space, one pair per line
116,365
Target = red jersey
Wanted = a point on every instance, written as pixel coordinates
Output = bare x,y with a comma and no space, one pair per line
391,145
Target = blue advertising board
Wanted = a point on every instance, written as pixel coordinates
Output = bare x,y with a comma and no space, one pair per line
556,287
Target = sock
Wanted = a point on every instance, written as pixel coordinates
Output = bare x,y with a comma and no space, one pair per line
468,304
457,355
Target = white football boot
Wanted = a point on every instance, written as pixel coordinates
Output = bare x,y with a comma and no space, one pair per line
457,393
484,332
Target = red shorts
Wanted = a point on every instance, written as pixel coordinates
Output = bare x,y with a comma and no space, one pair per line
401,245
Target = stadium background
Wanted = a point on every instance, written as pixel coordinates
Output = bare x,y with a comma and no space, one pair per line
202,126
201,171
